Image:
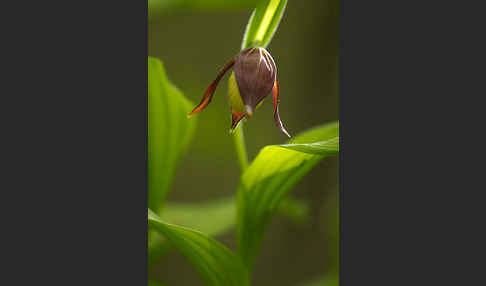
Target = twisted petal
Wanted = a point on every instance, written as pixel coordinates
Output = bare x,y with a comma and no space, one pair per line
276,115
208,95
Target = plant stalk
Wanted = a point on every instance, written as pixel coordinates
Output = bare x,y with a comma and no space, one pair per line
240,147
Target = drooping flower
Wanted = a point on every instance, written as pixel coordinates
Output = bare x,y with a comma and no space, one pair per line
254,77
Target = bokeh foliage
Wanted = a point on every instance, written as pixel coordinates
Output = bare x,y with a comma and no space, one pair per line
213,217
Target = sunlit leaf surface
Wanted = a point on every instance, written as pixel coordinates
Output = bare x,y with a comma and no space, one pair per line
263,23
272,174
328,147
218,216
169,132
216,264
211,218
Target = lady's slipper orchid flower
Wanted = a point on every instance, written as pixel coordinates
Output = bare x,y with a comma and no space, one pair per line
254,76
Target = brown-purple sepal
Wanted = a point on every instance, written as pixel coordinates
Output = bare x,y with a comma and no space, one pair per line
208,95
255,73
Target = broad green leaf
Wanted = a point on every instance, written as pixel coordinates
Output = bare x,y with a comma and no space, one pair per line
263,23
213,218
216,264
327,131
273,173
169,132
218,216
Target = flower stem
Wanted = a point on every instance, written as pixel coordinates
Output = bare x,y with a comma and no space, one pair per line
240,147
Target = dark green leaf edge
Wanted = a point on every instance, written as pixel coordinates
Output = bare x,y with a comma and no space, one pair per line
217,265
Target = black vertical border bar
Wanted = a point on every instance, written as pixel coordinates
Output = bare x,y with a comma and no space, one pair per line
341,149
145,185
408,197
75,79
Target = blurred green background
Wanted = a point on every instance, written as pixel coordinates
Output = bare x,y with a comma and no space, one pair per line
195,39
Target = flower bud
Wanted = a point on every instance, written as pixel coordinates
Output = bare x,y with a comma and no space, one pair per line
254,77
255,73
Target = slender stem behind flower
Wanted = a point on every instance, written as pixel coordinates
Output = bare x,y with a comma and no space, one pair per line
240,147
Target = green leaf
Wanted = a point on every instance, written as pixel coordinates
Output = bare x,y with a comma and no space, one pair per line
263,23
273,173
169,132
323,132
218,216
216,264
330,147
212,217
